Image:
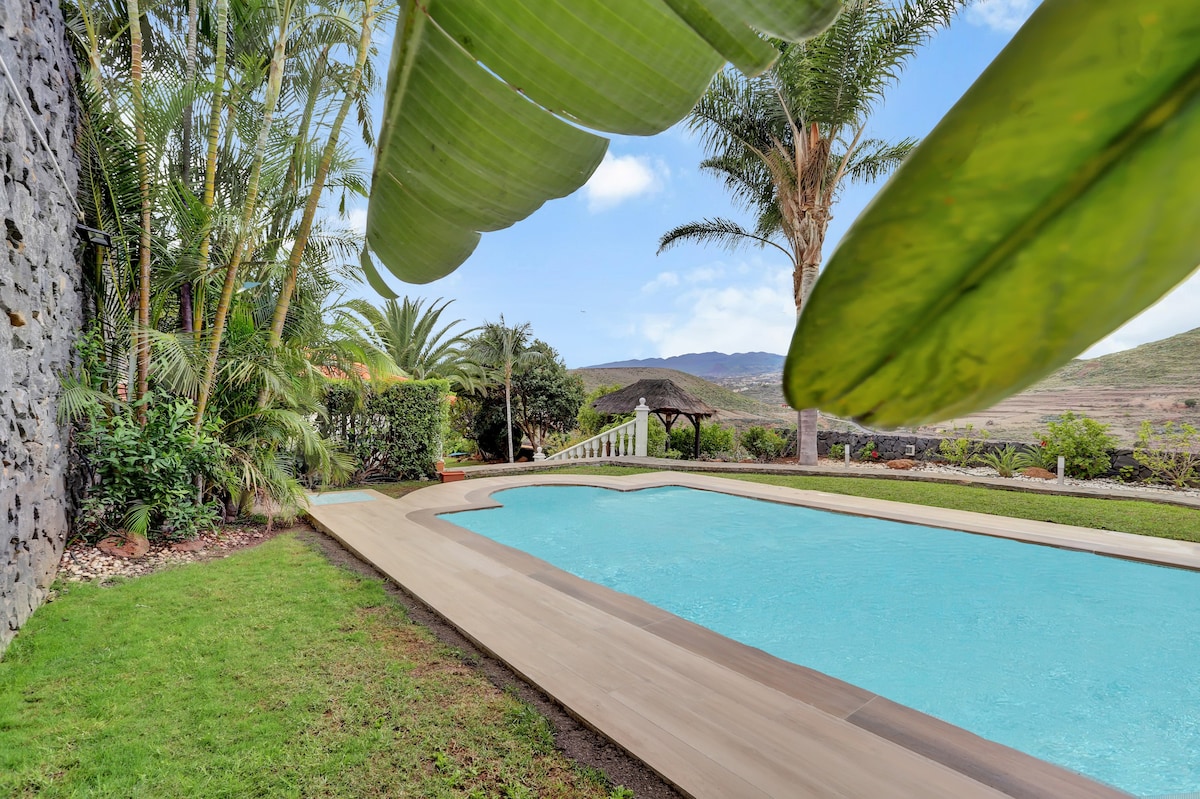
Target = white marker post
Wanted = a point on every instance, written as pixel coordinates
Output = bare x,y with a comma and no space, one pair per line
1062,470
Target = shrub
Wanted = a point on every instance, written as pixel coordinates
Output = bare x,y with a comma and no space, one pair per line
1005,461
837,451
1084,443
1172,454
1190,403
714,440
761,443
869,452
961,452
591,421
146,475
396,433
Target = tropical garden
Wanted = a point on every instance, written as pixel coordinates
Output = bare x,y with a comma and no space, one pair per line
222,371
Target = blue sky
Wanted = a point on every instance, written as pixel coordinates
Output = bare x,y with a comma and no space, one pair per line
583,270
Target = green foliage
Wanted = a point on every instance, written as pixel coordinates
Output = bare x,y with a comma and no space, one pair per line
715,440
1082,441
656,438
961,451
1005,461
546,398
761,443
395,432
1099,223
1172,453
344,695
1190,402
146,476
868,452
584,65
837,451
589,420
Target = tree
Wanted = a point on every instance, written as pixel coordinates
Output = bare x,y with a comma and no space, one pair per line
503,350
409,333
786,142
589,420
547,397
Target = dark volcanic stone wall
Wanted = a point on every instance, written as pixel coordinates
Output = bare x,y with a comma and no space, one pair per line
39,302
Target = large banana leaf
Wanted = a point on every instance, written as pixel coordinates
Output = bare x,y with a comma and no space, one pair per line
486,98
1057,199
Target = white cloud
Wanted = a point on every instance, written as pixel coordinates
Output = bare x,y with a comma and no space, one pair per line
663,280
356,218
1177,312
621,178
757,314
1001,15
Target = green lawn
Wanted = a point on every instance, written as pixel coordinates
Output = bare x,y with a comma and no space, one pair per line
1129,516
268,673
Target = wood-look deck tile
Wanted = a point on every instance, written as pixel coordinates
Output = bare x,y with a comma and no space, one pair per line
714,717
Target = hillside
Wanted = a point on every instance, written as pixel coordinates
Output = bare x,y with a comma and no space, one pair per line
707,364
734,407
1170,363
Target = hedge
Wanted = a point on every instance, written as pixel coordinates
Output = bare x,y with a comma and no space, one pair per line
395,432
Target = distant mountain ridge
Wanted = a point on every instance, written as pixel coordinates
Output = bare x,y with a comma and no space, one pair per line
707,364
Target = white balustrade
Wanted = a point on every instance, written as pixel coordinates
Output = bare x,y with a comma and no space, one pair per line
624,440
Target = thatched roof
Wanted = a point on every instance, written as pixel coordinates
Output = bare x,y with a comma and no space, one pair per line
663,396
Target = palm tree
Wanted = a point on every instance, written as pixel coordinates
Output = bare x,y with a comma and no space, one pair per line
409,333
505,349
786,142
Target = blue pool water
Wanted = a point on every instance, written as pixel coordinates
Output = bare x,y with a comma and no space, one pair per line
1086,661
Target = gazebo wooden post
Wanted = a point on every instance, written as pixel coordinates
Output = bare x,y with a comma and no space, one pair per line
696,449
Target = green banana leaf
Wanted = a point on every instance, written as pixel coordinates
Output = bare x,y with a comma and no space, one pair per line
487,99
1057,199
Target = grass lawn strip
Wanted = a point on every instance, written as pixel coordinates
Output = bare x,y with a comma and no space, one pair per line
269,673
1126,516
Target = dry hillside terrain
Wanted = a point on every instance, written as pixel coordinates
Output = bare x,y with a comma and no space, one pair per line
1154,382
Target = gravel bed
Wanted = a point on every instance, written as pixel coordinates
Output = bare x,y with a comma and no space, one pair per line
82,561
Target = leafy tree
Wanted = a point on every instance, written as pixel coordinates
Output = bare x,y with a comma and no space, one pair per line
547,397
503,350
786,142
589,420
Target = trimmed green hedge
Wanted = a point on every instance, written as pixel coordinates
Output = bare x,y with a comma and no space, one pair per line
394,432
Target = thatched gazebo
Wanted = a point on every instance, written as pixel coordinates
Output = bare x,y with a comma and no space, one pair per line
666,400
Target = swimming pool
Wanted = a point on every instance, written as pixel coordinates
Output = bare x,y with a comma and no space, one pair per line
1085,661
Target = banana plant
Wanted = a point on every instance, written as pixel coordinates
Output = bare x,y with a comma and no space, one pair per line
487,101
1056,200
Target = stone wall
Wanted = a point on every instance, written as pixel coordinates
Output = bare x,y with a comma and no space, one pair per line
926,448
39,301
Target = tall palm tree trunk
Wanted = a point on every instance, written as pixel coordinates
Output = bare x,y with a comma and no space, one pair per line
314,194
807,418
185,150
508,411
274,84
142,334
213,144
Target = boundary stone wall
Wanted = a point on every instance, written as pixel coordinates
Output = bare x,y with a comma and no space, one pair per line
40,306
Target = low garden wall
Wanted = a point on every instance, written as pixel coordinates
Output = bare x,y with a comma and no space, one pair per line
892,446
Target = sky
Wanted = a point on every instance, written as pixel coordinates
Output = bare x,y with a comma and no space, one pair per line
583,270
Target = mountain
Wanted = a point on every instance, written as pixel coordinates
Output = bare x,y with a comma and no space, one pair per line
734,407
707,364
1170,363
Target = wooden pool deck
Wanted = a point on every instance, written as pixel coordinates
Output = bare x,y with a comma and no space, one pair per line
712,716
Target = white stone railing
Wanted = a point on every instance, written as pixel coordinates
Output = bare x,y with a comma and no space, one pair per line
621,441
